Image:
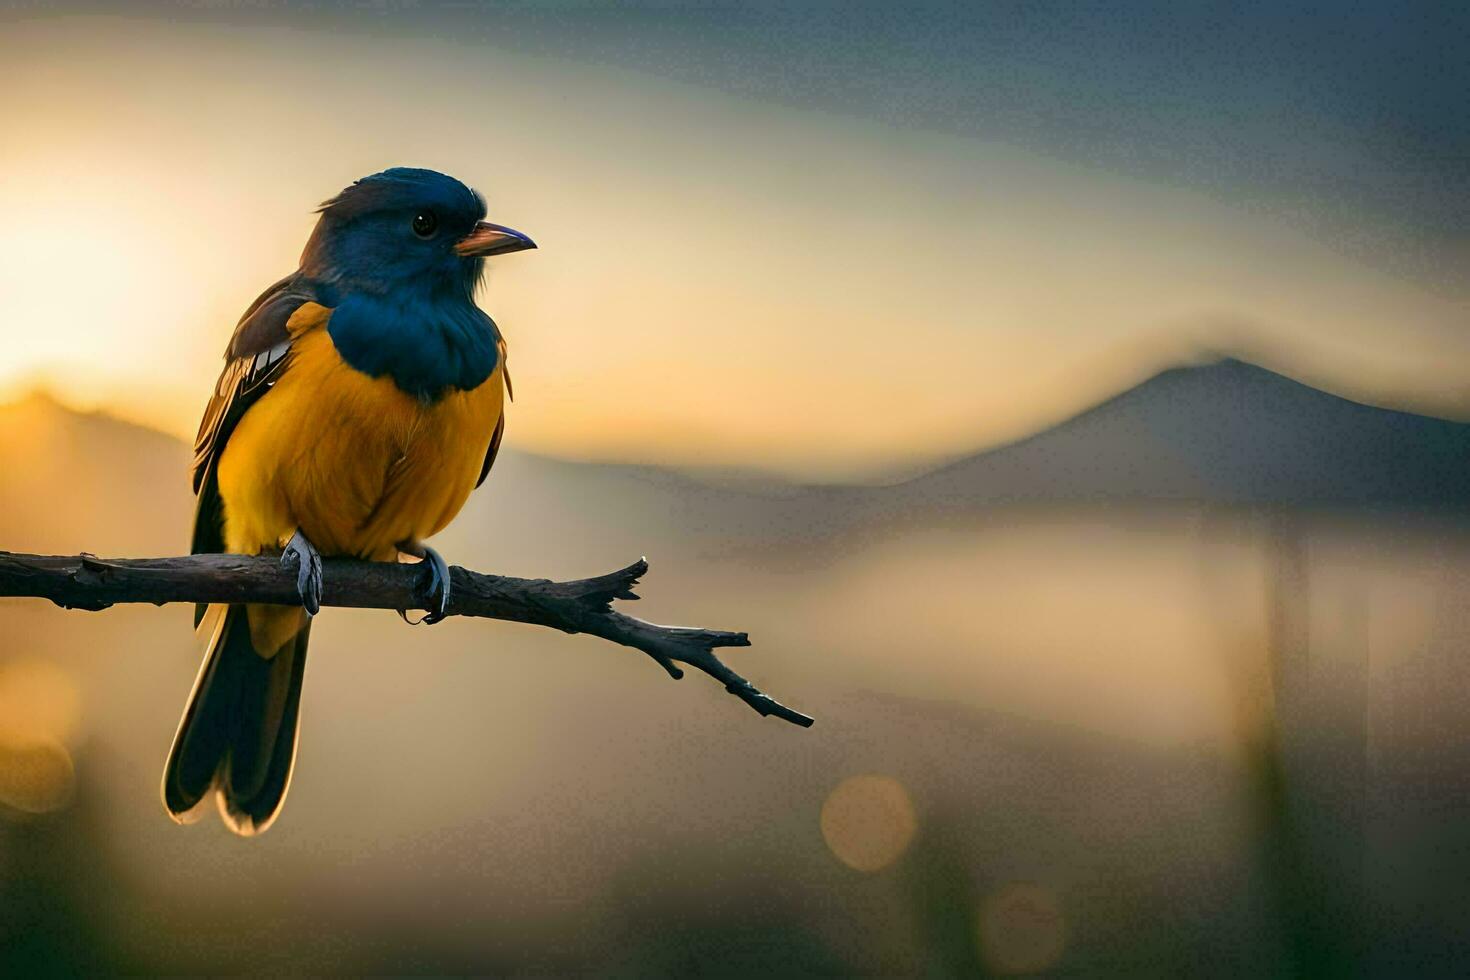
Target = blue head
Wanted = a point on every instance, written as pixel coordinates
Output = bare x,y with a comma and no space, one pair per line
406,232
398,255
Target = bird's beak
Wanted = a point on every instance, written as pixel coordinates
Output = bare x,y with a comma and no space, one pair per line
492,239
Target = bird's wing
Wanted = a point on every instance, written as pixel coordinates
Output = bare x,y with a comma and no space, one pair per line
494,449
259,352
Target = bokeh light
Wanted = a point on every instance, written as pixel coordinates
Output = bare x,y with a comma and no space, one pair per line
868,821
40,711
1022,929
38,698
36,777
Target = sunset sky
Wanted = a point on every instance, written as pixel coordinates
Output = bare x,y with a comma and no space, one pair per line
818,243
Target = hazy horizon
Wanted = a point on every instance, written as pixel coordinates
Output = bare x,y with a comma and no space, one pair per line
754,474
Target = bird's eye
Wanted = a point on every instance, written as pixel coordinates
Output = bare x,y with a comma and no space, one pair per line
425,223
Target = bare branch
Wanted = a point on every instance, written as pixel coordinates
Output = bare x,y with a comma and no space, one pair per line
580,606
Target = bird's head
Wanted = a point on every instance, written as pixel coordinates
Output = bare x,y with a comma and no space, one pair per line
405,229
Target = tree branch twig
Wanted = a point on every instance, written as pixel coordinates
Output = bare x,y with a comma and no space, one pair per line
581,606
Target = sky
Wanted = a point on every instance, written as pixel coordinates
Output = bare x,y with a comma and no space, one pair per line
817,240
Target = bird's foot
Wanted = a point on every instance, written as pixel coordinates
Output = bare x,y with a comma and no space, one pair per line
308,571
435,586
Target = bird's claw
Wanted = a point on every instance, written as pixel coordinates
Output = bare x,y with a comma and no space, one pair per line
436,587
308,571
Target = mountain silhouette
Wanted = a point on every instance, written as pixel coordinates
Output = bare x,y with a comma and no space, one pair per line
1226,433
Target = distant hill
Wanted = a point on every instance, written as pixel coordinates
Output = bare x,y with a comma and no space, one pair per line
73,481
1227,432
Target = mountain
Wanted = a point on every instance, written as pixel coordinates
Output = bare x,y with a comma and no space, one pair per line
85,481
1227,433
1222,433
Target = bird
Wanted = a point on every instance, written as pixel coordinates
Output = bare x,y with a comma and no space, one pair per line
361,401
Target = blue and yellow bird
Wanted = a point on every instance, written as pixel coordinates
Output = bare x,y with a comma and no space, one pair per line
362,400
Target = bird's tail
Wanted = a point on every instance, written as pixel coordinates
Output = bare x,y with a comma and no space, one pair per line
238,734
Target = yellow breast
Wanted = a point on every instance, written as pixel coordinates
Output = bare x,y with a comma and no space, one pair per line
351,460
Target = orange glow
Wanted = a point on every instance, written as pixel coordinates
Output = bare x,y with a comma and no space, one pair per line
36,776
868,822
38,699
40,711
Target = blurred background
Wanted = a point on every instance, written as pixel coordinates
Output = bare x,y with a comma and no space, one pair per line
1070,400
